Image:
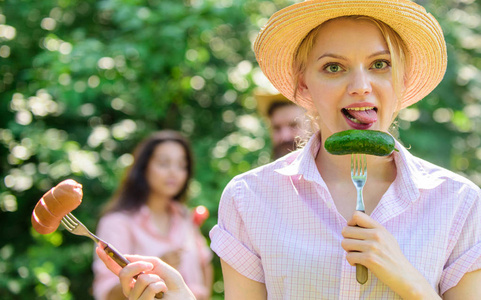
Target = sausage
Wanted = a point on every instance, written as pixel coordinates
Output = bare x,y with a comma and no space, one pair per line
55,204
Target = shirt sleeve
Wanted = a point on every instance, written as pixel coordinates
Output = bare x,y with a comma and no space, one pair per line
230,240
466,254
113,229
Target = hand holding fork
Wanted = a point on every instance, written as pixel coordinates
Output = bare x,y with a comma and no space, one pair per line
73,225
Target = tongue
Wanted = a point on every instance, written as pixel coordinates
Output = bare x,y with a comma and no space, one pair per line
364,116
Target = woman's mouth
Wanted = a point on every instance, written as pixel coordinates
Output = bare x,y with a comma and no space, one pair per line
360,117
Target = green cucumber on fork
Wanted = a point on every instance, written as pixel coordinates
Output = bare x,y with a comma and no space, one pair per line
372,142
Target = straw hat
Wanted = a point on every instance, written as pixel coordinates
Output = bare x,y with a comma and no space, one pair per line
280,37
265,100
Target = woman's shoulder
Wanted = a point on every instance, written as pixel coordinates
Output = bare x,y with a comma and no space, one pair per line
118,216
180,209
248,186
269,170
116,221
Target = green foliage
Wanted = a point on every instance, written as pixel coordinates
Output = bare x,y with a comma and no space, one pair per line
445,128
81,82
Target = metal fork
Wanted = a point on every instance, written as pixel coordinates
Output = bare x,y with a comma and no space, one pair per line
73,225
359,177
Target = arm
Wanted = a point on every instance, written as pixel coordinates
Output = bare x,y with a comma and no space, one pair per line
467,288
461,278
238,287
205,260
208,271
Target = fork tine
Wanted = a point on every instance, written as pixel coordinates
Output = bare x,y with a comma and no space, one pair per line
70,222
352,164
365,165
66,221
65,224
356,165
71,219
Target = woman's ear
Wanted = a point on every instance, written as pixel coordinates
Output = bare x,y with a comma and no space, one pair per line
302,87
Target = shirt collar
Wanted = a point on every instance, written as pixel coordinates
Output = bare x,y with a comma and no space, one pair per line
144,213
303,163
144,218
411,173
412,170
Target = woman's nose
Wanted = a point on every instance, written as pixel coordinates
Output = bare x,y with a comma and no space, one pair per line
360,84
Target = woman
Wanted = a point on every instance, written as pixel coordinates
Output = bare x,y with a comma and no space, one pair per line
289,230
148,216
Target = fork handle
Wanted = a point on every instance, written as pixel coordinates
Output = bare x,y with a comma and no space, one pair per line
361,274
361,271
115,255
122,261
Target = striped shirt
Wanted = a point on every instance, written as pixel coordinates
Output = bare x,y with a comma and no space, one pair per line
278,225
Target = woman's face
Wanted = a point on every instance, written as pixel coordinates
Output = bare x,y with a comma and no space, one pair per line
167,169
348,77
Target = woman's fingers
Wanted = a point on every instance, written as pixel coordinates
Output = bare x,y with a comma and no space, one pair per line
152,276
362,258
154,289
171,276
127,274
363,240
108,261
350,245
359,233
352,232
147,286
362,220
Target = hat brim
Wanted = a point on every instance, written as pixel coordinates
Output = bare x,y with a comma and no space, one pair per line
279,39
264,102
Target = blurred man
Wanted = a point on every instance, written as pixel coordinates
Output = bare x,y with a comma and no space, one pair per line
287,122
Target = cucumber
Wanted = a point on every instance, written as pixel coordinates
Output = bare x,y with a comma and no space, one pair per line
371,142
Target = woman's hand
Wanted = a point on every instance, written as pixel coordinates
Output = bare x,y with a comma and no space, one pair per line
368,243
157,277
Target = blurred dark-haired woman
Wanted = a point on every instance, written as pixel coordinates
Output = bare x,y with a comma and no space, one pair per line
147,216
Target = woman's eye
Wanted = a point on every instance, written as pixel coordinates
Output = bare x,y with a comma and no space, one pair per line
161,163
333,68
380,64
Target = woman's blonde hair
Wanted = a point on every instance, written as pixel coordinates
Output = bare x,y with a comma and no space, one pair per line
396,46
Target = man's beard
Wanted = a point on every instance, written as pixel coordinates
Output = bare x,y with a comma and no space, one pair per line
284,148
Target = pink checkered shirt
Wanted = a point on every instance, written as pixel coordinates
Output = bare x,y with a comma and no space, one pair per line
278,225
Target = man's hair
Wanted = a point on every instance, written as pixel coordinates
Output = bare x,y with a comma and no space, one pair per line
276,105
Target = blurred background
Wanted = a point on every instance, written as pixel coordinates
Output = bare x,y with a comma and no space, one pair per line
81,82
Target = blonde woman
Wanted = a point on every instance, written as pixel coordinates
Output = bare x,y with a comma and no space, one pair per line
289,230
